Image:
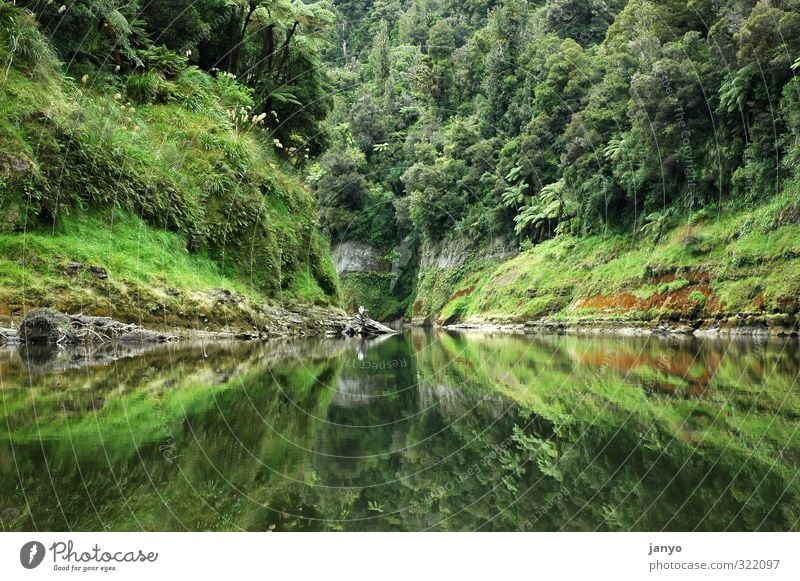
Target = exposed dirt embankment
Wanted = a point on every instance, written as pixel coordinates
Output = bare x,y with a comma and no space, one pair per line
686,306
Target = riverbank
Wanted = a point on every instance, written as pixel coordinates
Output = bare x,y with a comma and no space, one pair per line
736,272
115,265
53,327
174,208
49,328
736,327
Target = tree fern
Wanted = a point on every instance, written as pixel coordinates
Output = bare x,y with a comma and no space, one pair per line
734,89
655,224
515,195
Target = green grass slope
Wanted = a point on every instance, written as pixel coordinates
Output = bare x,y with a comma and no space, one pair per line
164,179
739,263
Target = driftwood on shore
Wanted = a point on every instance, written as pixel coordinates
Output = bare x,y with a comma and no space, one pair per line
361,325
46,327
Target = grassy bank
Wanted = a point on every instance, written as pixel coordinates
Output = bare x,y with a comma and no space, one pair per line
160,176
116,265
739,262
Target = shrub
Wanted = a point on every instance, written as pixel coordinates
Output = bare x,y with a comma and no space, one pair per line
26,47
697,297
164,62
148,88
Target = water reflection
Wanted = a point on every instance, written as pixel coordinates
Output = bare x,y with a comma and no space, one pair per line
416,432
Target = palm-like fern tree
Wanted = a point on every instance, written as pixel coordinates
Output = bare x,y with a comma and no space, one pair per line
551,205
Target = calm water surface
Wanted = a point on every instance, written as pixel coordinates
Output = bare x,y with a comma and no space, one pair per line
425,431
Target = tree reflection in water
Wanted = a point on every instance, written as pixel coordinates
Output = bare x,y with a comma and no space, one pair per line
425,431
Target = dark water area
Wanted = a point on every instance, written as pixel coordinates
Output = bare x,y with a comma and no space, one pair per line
422,431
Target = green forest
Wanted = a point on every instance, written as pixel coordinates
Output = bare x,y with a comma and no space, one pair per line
501,160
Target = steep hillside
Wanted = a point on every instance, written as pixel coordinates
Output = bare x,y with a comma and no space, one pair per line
625,146
143,194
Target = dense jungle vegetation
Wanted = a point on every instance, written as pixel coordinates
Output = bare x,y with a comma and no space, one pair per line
541,118
239,125
614,122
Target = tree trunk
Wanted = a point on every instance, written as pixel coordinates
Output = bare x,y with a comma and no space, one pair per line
285,47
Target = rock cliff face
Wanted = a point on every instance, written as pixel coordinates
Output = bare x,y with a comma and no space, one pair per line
373,277
439,278
356,257
455,253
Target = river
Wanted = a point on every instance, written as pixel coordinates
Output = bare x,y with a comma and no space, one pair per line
422,431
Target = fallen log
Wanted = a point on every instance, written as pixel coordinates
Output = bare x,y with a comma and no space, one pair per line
361,325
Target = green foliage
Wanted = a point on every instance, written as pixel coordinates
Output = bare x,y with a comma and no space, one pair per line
135,254
749,260
98,31
698,297
272,47
374,291
676,285
184,26
428,119
514,196
148,87
341,187
179,148
23,46
163,61
540,119
655,224
552,206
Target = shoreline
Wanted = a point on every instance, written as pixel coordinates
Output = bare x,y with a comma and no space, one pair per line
48,327
322,322
282,324
779,326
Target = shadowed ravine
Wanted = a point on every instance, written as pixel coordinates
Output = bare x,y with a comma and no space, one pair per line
413,432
